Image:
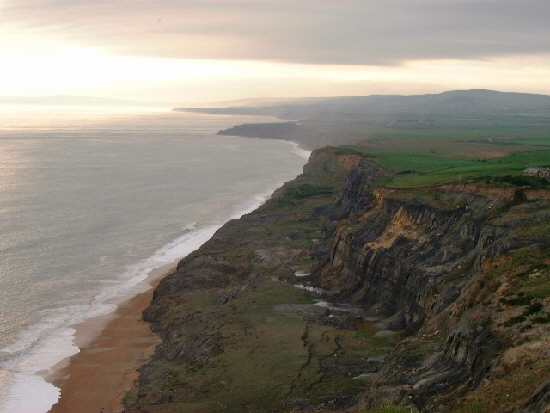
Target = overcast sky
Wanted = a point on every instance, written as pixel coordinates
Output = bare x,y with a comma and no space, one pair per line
317,47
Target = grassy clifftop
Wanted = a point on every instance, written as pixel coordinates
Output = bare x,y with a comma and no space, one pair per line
351,290
418,169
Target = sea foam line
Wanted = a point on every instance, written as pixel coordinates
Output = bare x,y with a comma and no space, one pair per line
40,349
22,365
301,152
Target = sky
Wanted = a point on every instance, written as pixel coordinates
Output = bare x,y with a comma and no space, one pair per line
215,50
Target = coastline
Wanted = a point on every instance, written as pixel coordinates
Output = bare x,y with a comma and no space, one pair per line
112,348
239,334
116,331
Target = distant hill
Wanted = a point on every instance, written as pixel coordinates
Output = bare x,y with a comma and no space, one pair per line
460,115
454,103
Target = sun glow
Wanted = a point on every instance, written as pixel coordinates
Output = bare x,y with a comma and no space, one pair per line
35,66
87,70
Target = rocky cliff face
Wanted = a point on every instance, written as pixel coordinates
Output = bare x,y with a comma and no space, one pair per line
342,295
451,270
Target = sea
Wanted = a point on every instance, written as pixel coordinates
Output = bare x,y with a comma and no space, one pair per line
92,200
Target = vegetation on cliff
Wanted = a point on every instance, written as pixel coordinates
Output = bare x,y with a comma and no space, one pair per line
406,270
367,284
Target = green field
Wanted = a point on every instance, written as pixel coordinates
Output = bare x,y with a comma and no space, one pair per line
421,169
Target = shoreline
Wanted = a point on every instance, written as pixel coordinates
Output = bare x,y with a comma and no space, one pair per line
112,348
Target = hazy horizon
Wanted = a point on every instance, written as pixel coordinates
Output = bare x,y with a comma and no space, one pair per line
104,105
212,51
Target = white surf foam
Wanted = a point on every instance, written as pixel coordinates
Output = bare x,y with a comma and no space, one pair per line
43,346
23,388
298,150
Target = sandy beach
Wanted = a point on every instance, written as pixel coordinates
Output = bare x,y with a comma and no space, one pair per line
112,349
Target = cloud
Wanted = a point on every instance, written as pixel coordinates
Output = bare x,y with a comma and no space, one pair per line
366,32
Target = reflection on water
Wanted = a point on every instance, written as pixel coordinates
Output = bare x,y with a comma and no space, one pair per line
29,117
88,201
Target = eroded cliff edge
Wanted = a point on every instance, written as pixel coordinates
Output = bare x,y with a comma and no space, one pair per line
342,295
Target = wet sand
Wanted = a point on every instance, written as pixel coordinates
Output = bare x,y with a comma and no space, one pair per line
112,349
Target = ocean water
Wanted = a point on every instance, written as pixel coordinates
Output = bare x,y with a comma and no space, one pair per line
91,202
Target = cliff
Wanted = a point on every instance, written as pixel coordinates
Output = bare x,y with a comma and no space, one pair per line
340,294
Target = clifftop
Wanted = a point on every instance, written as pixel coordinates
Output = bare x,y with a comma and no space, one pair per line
341,294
